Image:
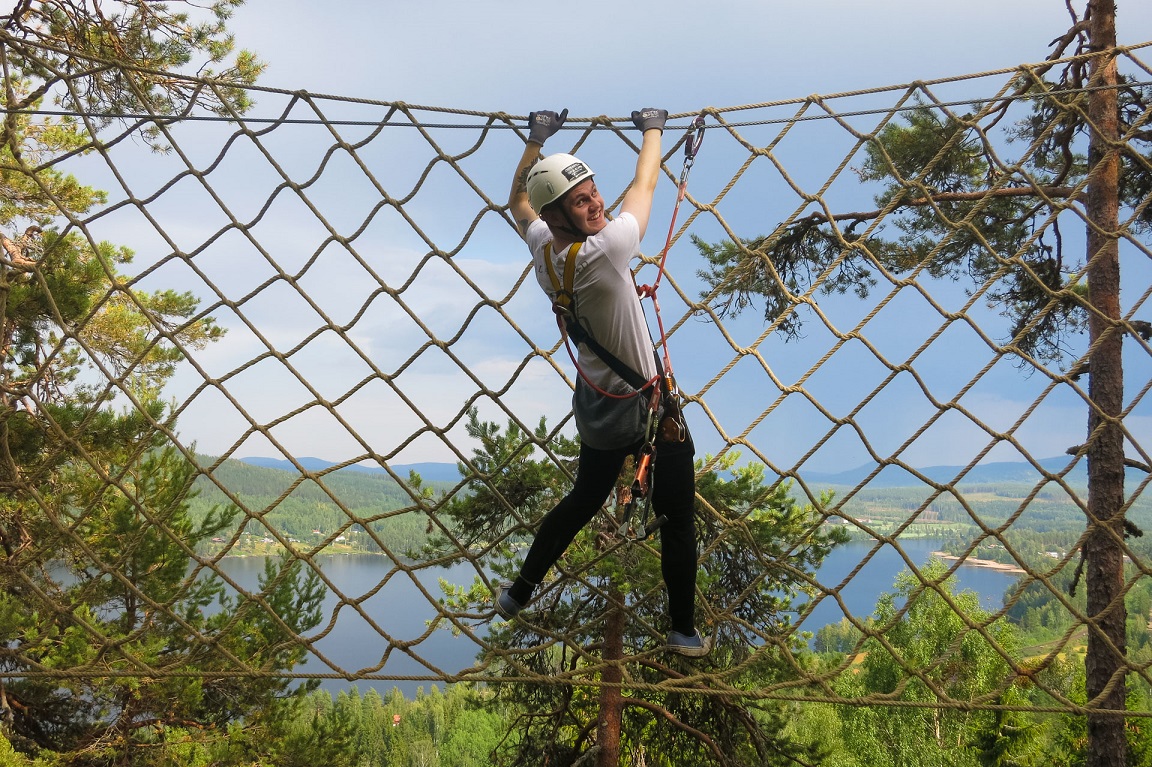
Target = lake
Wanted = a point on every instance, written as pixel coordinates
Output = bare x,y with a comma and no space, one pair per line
402,610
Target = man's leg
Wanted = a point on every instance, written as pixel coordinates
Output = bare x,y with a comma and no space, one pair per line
595,477
674,496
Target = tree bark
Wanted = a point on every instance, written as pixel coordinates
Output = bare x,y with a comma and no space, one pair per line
1103,550
611,697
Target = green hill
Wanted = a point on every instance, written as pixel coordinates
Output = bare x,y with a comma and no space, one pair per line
338,510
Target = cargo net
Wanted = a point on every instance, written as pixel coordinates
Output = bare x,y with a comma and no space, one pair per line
877,310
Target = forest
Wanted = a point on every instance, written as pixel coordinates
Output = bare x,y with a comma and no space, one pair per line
337,513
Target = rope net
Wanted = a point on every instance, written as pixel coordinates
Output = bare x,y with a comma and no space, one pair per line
380,312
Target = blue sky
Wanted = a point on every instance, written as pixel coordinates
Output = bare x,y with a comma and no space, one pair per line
593,58
600,57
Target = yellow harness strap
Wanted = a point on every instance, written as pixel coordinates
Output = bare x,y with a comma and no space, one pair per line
563,290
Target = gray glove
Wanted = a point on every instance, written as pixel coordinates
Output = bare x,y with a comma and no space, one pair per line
542,125
648,118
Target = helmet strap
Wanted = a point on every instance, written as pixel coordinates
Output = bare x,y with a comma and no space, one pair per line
571,229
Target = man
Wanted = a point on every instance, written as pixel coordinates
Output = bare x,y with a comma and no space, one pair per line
560,214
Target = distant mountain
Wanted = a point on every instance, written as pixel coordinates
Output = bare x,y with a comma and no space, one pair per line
891,476
985,473
431,472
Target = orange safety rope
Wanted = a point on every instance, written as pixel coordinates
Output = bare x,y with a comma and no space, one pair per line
692,141
693,138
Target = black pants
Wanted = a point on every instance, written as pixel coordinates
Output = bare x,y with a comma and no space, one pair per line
673,489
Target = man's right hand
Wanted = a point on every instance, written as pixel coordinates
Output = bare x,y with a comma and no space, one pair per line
543,125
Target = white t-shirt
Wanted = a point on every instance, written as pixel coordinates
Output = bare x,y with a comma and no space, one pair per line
605,301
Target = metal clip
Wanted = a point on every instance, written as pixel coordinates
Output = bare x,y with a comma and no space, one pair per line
643,532
638,493
692,142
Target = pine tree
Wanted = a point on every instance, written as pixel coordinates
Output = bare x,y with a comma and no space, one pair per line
119,644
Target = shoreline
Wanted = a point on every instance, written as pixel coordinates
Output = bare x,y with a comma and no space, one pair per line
990,564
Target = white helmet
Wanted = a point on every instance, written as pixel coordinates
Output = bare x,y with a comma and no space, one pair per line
554,175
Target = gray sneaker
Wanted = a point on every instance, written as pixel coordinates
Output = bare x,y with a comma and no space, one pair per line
506,607
694,646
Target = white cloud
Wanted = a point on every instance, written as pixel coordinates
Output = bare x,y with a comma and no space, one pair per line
275,260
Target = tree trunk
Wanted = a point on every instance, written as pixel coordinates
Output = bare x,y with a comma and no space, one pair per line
1103,552
611,706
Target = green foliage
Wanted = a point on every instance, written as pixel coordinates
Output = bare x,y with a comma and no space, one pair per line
146,45
370,510
950,205
921,650
925,628
37,198
126,599
921,654
838,638
65,317
151,42
98,579
1009,740
762,547
457,728
512,491
301,732
964,233
780,268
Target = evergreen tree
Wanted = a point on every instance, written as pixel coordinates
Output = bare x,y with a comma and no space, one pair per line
953,208
119,644
1009,740
148,45
95,529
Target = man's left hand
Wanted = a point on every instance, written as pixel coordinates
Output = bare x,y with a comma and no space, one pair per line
649,118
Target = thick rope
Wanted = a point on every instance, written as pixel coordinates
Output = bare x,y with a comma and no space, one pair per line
751,161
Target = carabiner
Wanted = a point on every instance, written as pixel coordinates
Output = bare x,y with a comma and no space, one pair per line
640,485
692,142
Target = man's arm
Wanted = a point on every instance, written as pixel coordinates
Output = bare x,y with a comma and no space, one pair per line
541,125
518,206
638,198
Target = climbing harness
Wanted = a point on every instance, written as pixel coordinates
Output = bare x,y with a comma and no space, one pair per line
664,417
570,328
